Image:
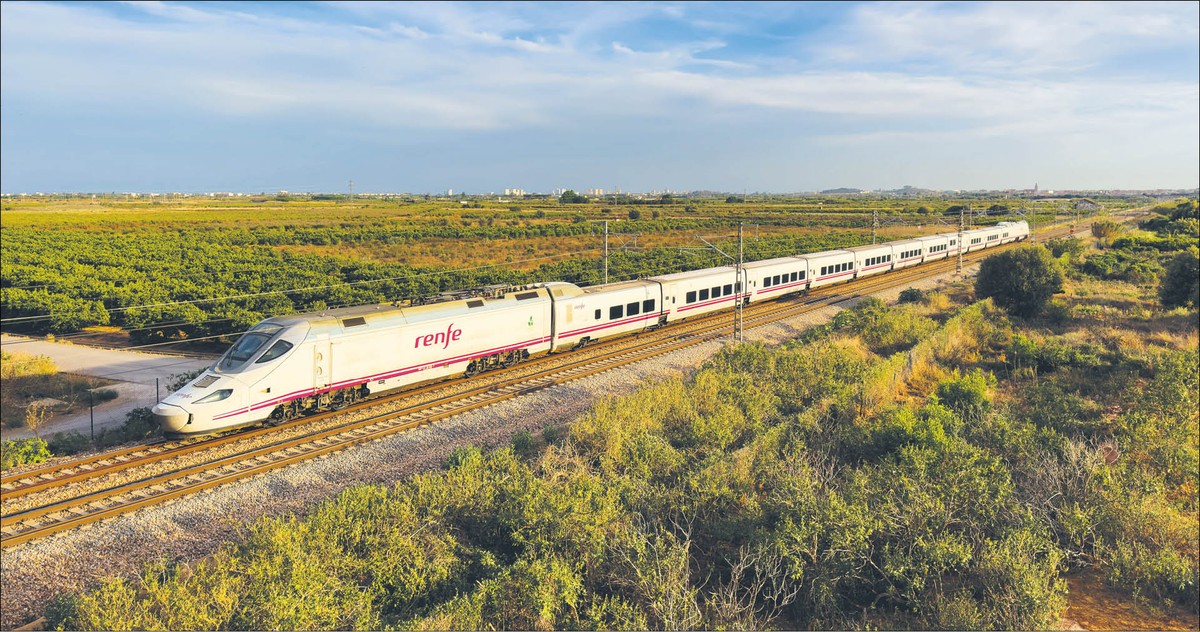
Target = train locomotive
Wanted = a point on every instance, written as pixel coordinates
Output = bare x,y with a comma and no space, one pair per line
287,366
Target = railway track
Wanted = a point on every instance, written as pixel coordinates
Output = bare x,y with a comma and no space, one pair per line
449,398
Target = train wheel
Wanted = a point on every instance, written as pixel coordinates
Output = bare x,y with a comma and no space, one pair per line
472,369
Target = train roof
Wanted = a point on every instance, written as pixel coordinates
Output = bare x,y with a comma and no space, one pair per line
692,274
750,265
617,286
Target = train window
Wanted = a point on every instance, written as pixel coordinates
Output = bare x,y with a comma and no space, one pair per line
247,346
775,280
823,270
648,305
475,303
704,294
767,282
716,292
616,311
357,321
632,309
728,289
691,296
597,314
276,350
801,275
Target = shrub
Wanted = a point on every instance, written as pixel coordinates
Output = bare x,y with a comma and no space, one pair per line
911,295
1180,286
22,452
67,443
524,445
1020,281
968,395
1153,573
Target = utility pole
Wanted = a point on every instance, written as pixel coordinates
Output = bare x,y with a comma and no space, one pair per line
874,224
962,220
739,288
351,196
605,252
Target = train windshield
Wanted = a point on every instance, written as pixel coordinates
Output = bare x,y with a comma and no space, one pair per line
249,344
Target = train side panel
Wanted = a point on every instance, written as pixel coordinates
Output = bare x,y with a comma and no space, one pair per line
908,252
937,247
872,259
605,311
688,294
773,278
829,267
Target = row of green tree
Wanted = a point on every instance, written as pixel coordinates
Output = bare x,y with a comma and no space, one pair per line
167,285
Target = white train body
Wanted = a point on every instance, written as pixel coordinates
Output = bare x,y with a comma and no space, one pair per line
688,294
289,365
773,278
873,259
590,314
829,267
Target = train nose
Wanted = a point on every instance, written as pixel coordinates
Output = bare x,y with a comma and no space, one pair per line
170,418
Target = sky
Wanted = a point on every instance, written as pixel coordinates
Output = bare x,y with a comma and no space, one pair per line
478,97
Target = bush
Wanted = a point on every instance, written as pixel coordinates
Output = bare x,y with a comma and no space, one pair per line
1020,281
1068,246
968,395
104,395
22,452
68,443
1180,286
1153,573
911,295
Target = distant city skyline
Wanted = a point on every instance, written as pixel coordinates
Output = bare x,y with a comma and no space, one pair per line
482,97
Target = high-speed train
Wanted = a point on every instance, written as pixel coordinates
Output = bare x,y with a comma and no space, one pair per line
286,366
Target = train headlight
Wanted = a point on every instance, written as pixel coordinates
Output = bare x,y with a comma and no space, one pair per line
215,396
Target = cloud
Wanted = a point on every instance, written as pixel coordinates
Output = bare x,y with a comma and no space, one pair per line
1020,38
846,74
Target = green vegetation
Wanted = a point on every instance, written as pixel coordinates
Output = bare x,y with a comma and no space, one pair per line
932,465
1021,280
178,269
22,452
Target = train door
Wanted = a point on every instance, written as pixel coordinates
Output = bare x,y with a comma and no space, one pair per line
322,362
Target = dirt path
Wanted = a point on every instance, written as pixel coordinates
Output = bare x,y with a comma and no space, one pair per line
1096,606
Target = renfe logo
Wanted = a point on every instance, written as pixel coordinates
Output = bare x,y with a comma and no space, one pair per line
443,338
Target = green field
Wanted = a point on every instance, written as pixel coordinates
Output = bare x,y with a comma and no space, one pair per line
184,268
